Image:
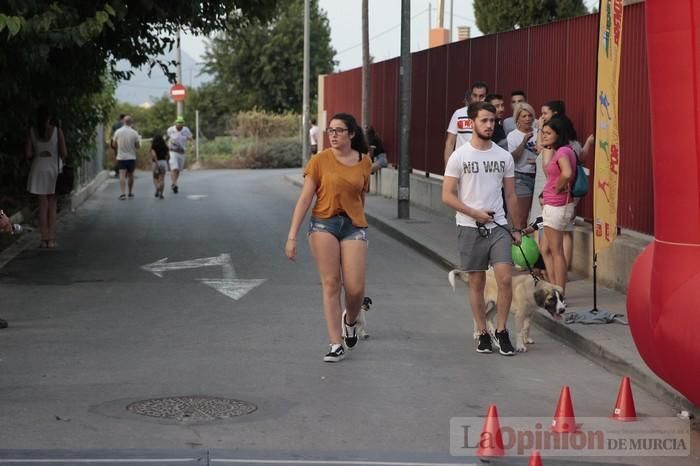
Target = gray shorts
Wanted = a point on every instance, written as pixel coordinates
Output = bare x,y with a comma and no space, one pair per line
477,253
524,184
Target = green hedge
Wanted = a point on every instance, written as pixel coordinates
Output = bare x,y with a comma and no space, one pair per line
265,125
251,153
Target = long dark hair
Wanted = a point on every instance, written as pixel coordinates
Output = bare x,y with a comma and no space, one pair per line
158,143
562,126
41,116
358,141
558,109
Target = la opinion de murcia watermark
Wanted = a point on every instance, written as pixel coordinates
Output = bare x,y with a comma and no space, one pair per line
594,436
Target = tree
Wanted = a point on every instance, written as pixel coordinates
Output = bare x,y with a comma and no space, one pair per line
505,15
261,64
64,53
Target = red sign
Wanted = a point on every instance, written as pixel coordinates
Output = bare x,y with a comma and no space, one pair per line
178,92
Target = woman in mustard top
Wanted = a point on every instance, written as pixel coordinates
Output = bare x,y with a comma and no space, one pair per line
338,177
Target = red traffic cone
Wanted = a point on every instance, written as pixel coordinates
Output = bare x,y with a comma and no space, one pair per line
564,419
624,406
491,440
535,459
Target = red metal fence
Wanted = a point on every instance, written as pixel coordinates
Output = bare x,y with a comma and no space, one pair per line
553,61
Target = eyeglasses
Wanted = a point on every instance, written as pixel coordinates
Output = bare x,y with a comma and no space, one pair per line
336,131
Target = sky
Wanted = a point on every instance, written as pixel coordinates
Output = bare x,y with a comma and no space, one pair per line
384,27
346,35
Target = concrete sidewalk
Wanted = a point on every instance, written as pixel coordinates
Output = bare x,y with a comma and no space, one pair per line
609,345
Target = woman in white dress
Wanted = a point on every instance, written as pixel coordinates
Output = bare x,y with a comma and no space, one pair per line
46,148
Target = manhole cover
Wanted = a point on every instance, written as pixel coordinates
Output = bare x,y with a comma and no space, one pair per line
192,408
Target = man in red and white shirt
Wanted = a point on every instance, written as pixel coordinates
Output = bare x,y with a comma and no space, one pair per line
461,126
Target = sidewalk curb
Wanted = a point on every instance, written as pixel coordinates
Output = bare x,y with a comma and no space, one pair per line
84,193
563,333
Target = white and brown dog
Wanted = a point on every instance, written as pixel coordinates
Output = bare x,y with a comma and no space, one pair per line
527,295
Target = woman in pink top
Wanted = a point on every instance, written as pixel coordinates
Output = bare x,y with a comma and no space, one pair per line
559,162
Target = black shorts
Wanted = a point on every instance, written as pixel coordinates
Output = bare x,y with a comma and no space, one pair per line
128,165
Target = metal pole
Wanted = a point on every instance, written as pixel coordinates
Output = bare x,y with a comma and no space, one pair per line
365,65
430,16
180,104
405,111
452,9
441,14
305,103
196,129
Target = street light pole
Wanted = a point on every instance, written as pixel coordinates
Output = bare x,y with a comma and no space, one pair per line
405,111
365,65
180,103
305,100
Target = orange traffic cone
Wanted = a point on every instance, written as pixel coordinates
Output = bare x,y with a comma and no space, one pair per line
491,440
624,406
564,419
535,459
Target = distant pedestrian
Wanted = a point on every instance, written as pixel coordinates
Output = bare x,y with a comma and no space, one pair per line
516,97
339,178
46,148
314,136
522,144
376,150
179,136
559,162
474,176
159,157
554,109
126,141
459,130
499,134
117,124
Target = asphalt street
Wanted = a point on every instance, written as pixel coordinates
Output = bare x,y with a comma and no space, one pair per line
192,296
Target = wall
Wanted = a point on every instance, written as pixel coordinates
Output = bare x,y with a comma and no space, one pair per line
552,61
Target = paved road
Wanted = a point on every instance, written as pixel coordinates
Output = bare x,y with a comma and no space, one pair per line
93,332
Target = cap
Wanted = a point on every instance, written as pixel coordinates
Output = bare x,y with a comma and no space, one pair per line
180,120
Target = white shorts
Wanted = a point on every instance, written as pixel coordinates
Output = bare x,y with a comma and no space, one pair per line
177,161
558,217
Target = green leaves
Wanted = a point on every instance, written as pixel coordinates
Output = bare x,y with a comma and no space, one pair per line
12,24
505,15
64,53
258,64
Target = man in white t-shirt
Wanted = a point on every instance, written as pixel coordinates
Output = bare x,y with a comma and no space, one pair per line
474,176
178,137
314,135
516,97
126,141
459,130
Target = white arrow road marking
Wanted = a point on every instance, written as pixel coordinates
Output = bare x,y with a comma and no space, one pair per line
160,266
232,287
196,197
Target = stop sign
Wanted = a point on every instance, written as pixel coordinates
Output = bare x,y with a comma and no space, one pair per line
178,92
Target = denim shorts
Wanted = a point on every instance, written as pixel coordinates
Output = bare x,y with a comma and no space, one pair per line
339,226
524,184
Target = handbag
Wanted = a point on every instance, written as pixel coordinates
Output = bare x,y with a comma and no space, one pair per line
580,187
66,177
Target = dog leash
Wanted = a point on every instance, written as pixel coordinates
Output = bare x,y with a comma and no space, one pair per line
484,233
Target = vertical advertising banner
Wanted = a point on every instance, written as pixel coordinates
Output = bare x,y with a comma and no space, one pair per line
607,147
